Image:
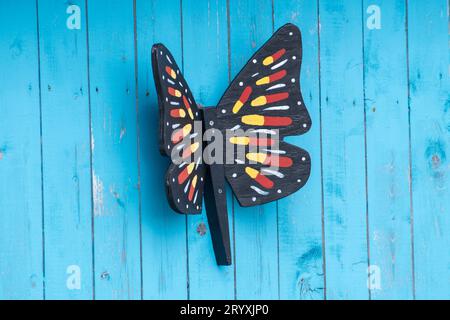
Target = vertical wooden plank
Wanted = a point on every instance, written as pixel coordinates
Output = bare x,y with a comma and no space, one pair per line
300,215
66,151
21,260
343,149
164,259
205,48
114,154
428,37
256,256
386,103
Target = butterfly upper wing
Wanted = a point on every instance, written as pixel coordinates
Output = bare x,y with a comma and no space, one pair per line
178,112
265,96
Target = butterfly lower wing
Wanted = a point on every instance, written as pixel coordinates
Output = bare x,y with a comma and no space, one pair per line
265,99
177,135
268,174
184,187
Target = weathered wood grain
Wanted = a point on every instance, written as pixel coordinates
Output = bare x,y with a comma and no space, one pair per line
114,150
66,153
300,214
21,254
206,71
342,107
386,107
164,253
428,38
256,238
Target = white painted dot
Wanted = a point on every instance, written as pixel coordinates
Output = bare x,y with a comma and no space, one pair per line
290,33
241,83
224,111
167,99
279,191
178,71
299,180
201,179
160,52
173,179
234,175
185,90
254,199
294,57
299,103
163,77
168,147
187,206
293,80
198,207
211,123
303,159
178,200
167,124
305,125
255,61
196,113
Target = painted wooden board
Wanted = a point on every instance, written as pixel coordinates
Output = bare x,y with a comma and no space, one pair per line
205,61
386,107
343,159
112,220
66,140
21,233
300,215
429,83
255,228
115,181
164,251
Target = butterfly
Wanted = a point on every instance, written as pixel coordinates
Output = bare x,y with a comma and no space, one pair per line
261,106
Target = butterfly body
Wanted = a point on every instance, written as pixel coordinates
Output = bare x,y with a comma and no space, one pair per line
261,106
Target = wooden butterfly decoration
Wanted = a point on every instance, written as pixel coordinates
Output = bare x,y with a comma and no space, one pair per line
261,106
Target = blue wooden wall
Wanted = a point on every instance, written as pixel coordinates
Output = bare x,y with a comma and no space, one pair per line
83,212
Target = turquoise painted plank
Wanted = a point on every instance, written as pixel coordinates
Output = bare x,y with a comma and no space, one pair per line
386,103
256,255
21,256
300,215
343,159
429,58
164,257
66,151
205,48
114,150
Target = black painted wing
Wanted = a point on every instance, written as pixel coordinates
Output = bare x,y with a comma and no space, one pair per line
178,112
265,98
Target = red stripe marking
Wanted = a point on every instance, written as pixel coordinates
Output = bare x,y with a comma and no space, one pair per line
177,136
175,113
191,192
277,121
277,76
277,97
245,94
186,103
281,162
277,55
260,141
183,176
264,181
171,91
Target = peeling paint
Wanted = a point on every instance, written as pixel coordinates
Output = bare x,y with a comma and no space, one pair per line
97,186
123,131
